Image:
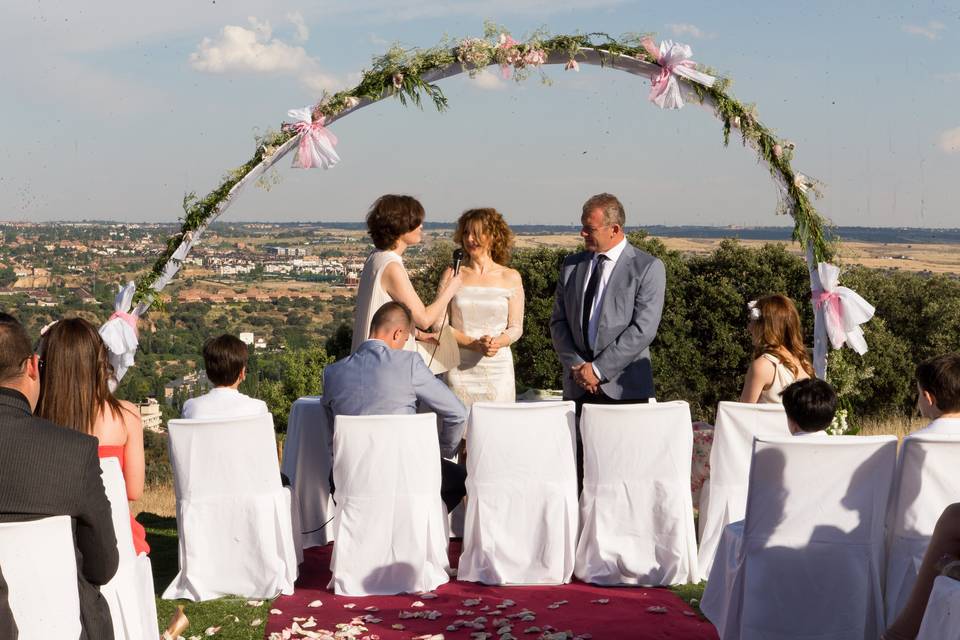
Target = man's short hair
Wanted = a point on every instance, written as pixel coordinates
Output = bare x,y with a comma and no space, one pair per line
940,377
15,348
389,315
810,403
611,206
224,358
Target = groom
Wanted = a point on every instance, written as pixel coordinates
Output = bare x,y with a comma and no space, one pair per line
606,312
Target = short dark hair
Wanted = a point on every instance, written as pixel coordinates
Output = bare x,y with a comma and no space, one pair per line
392,216
224,358
811,403
390,314
15,347
940,377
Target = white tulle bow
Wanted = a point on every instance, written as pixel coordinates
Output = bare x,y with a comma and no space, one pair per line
674,60
316,141
841,310
119,333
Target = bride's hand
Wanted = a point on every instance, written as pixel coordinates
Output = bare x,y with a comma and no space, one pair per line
489,346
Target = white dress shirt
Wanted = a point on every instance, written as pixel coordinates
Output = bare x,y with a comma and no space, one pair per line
940,427
223,402
612,254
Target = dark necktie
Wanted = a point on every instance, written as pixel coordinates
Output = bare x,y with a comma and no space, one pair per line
590,295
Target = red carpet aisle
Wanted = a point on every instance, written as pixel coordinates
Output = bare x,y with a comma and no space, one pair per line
585,610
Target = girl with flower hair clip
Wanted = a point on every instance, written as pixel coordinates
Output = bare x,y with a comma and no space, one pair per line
779,355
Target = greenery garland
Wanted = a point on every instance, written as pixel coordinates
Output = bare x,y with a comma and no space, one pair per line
401,73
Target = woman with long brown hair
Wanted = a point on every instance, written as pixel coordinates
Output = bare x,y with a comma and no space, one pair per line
779,355
486,314
74,393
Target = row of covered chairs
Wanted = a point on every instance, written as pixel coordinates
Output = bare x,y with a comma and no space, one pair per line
633,523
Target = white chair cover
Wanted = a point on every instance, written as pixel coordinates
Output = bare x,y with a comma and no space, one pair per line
521,520
941,620
39,565
307,461
723,498
129,594
390,525
927,482
636,511
234,519
807,561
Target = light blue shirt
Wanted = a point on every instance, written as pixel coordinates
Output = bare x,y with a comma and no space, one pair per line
378,380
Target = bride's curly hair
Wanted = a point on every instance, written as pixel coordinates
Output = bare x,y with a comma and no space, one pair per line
487,223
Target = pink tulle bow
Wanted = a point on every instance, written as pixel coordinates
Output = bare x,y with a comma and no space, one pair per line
674,59
831,304
316,145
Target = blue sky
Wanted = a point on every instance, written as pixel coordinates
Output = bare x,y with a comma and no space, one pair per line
115,110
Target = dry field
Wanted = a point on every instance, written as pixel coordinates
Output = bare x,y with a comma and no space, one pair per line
936,258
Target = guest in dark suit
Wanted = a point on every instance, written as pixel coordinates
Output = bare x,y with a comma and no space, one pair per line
380,378
606,312
46,470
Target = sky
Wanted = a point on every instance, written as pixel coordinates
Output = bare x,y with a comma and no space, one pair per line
113,110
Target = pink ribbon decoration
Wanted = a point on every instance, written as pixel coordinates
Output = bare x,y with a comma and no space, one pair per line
842,310
316,141
129,318
674,60
119,334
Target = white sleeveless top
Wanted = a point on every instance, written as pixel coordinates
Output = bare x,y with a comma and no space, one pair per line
782,378
371,296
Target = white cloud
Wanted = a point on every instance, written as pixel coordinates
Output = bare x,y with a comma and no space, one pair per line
949,141
686,29
301,32
930,31
488,81
254,50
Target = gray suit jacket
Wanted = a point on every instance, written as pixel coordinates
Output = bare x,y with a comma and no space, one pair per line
378,380
630,314
46,470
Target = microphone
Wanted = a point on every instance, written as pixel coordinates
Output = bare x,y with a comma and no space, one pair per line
457,260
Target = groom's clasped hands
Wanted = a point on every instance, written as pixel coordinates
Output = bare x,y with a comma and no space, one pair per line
584,376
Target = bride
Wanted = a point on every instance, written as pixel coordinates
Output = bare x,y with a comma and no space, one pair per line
486,314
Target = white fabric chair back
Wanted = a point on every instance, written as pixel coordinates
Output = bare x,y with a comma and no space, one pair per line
39,565
723,498
636,510
307,461
943,611
811,557
927,482
390,525
522,512
129,593
235,520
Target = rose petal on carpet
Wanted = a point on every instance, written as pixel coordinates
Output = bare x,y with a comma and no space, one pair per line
586,611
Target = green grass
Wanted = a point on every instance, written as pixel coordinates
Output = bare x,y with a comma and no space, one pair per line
232,615
692,594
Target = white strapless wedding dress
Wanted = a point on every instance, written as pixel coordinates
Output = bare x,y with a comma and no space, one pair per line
480,311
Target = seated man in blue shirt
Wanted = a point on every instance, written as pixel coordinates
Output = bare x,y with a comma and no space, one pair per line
380,378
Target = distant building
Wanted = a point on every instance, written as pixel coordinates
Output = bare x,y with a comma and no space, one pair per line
192,384
150,415
286,252
246,337
353,280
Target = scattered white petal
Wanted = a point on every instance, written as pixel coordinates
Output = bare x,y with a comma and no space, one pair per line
397,626
600,601
371,609
316,603
255,622
656,609
532,630
211,631
349,605
276,612
428,596
254,603
417,604
689,613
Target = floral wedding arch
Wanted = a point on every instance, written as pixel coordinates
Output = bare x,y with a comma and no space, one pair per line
410,76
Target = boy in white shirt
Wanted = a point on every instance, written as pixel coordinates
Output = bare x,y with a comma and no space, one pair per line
225,358
810,405
938,391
